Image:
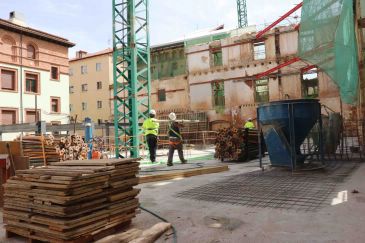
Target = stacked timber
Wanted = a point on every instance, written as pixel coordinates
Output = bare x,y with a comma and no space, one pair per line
236,144
71,201
39,151
71,148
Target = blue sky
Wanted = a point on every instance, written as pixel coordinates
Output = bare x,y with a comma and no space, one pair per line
88,22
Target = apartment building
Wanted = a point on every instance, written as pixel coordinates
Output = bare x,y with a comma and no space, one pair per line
34,74
91,85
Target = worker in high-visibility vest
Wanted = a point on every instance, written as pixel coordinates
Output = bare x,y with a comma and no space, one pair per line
175,140
150,127
249,124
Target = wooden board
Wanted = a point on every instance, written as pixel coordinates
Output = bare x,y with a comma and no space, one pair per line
181,174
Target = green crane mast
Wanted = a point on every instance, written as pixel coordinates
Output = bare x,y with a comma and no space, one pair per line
132,79
242,13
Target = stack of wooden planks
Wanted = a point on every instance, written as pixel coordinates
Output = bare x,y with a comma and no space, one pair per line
39,151
71,201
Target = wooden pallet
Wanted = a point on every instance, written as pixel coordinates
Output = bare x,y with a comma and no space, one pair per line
36,237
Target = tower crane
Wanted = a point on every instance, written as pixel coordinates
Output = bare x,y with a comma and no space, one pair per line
131,69
242,13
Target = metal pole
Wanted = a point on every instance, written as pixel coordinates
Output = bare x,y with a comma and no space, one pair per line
259,138
35,108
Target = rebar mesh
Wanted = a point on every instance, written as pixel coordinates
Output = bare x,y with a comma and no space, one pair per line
276,188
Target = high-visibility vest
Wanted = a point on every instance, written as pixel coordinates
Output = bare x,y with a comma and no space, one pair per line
151,126
249,125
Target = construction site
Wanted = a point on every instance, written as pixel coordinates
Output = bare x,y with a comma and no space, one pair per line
267,120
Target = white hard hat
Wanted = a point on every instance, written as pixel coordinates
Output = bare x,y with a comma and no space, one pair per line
249,119
172,116
152,112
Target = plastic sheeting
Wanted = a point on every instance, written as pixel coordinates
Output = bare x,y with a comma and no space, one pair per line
327,39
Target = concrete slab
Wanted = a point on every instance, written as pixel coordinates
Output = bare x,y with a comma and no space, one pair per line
200,221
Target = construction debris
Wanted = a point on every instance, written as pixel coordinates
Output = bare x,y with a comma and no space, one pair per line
72,200
236,144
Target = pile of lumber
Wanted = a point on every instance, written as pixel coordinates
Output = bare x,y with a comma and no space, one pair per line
39,151
237,144
71,147
71,201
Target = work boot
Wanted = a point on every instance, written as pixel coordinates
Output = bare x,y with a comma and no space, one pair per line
184,161
169,164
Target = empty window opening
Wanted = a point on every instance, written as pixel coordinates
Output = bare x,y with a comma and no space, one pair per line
161,95
217,57
218,94
259,50
262,91
310,84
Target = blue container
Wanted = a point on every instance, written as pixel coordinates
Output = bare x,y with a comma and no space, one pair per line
285,125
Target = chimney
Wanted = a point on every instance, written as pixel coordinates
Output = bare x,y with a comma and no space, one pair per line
81,54
17,18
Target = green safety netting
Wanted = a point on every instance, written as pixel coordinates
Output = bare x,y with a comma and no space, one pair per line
327,39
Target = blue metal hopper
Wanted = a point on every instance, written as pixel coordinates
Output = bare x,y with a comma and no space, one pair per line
285,126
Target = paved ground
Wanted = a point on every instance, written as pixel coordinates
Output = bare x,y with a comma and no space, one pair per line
340,219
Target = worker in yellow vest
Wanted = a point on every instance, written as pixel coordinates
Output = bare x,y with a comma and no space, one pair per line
150,127
249,124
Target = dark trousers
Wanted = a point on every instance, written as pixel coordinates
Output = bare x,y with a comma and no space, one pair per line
172,148
152,146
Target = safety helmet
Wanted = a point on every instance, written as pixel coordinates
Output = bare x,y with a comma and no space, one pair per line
172,116
250,119
152,112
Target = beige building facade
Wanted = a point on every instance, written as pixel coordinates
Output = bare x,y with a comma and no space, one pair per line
91,81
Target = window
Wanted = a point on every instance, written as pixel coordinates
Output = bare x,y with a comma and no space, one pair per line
259,51
262,90
54,73
83,69
84,106
161,95
31,52
310,84
32,83
100,104
55,104
72,89
31,116
71,72
99,85
218,94
71,108
8,78
98,67
84,87
217,57
8,117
